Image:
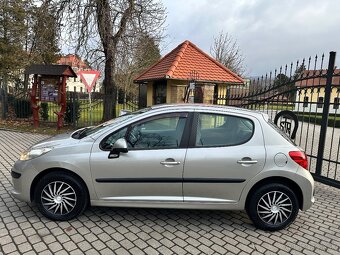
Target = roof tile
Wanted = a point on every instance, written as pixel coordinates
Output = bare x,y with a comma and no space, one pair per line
183,60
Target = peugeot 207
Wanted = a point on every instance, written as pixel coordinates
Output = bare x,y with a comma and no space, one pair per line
185,156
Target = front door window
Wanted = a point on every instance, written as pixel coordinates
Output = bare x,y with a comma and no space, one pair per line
162,133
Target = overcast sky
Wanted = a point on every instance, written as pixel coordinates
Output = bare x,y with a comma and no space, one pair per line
270,33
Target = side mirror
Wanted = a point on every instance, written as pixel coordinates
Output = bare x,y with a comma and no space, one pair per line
120,146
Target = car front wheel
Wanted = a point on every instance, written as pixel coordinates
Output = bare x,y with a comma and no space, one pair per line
60,196
273,207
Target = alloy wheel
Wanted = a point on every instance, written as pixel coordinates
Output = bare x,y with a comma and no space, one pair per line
58,198
274,208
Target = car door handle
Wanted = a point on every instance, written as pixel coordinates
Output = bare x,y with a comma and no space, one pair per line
170,163
247,161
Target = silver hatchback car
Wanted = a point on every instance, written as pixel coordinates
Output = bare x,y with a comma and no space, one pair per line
171,156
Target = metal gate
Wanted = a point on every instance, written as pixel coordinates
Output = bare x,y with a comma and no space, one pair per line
309,89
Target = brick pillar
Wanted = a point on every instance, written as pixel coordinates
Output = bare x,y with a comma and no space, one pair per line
177,93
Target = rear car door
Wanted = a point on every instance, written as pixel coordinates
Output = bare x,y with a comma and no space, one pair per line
225,151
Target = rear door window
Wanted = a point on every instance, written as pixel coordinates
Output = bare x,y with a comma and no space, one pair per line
222,130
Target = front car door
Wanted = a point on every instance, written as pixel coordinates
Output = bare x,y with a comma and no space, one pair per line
151,170
225,151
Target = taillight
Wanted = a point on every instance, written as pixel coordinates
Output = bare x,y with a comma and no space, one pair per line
300,158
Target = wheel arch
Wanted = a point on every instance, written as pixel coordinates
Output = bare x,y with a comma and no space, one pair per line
59,170
281,180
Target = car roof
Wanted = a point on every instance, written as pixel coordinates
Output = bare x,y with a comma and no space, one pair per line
223,108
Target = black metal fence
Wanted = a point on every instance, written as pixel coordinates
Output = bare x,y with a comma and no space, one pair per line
311,90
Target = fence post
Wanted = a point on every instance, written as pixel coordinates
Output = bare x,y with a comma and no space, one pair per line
74,108
2,104
324,123
4,97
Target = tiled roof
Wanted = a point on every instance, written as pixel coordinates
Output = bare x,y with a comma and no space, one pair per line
317,78
73,61
56,70
185,59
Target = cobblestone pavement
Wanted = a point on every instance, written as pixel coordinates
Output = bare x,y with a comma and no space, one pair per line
23,230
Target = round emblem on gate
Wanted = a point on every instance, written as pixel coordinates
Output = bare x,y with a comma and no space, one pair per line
288,122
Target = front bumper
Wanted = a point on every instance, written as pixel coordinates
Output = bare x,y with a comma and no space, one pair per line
23,174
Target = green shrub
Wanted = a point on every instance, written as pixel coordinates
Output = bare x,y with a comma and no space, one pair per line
44,111
332,122
22,108
69,118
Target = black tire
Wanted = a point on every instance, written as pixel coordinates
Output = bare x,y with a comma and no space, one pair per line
277,215
63,191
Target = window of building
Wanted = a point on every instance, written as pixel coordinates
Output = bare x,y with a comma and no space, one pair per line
81,89
336,103
320,102
305,101
160,93
198,94
74,88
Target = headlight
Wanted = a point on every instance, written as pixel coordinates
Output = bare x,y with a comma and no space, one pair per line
27,155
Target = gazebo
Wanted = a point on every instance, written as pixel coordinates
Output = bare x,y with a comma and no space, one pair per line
185,74
49,85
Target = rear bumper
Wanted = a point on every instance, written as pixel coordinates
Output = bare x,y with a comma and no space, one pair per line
306,183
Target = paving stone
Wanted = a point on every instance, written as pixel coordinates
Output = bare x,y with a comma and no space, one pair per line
23,230
8,248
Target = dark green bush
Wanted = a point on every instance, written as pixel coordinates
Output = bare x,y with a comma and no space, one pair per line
69,118
44,111
22,108
332,122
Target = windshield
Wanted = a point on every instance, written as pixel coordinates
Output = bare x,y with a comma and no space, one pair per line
94,129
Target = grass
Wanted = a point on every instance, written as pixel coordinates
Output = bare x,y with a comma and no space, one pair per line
280,107
333,120
49,127
85,116
27,126
289,107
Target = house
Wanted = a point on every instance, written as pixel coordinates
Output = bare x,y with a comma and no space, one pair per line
75,84
311,92
186,74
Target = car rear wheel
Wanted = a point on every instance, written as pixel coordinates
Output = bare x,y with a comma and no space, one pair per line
273,207
60,196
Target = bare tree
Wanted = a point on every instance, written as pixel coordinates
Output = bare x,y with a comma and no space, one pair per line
226,51
133,60
100,28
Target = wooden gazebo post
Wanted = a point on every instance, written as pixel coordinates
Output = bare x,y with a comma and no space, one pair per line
35,107
62,102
